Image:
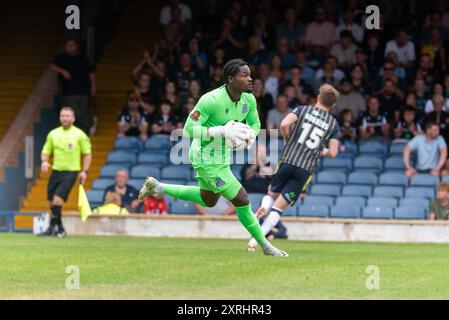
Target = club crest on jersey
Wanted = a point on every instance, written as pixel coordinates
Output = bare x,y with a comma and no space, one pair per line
219,183
70,146
195,116
245,108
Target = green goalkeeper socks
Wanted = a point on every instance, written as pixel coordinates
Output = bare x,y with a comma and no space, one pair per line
249,221
188,193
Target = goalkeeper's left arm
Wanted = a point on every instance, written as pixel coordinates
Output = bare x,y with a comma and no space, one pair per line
253,121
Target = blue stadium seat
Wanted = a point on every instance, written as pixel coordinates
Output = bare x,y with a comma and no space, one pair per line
95,196
170,202
337,163
415,202
397,148
183,207
394,163
101,184
255,199
364,178
383,202
192,183
319,211
332,177
424,180
290,211
316,200
393,179
349,201
121,156
410,212
350,147
377,213
373,148
109,170
136,183
346,155
236,168
326,190
345,211
388,191
420,192
357,190
128,143
152,157
445,179
142,171
368,163
181,172
159,141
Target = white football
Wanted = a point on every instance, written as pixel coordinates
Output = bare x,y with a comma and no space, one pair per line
236,143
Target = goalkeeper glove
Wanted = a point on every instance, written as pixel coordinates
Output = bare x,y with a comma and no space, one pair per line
230,130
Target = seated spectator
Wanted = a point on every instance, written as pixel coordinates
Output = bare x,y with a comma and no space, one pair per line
277,68
264,101
127,192
431,152
257,177
292,96
147,92
439,116
132,120
195,89
199,58
276,115
425,69
375,54
165,122
166,12
437,92
439,208
359,82
320,26
435,23
349,99
184,73
170,94
348,131
187,108
112,205
344,50
230,39
271,83
373,123
291,29
216,80
256,54
155,204
329,73
422,94
390,101
284,52
404,49
349,25
262,28
308,71
223,207
390,71
303,89
408,126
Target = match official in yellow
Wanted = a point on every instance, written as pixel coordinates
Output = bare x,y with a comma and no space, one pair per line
67,144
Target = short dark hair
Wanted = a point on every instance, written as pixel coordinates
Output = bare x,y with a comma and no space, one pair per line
430,124
232,67
346,34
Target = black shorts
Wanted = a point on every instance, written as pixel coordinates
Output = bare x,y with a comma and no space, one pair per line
290,181
60,184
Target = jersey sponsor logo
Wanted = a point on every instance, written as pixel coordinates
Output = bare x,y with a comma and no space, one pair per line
245,108
195,116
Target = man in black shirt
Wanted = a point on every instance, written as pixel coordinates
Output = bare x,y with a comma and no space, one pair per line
78,82
128,193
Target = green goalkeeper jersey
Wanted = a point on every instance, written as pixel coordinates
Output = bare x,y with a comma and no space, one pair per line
216,108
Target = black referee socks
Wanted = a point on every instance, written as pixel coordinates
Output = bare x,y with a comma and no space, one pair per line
56,215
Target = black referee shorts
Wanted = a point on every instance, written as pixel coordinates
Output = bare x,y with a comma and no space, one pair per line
290,181
60,184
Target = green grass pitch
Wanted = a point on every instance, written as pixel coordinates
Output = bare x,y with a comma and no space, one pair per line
162,268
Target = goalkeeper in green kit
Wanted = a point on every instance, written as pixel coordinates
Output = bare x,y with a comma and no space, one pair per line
215,120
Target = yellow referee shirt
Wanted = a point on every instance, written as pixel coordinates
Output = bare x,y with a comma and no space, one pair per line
67,146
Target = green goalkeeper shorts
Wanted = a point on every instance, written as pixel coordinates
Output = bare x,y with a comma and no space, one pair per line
218,179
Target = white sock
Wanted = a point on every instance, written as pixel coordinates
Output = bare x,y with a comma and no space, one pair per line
159,188
267,203
271,220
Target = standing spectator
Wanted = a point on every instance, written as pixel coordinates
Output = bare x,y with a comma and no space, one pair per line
166,12
302,88
344,50
67,144
256,54
349,99
431,152
78,83
408,126
276,115
185,73
291,29
435,23
348,130
439,208
229,39
155,204
404,49
373,123
349,25
165,122
263,30
325,30
146,91
132,120
199,58
271,83
127,192
264,101
257,177
390,102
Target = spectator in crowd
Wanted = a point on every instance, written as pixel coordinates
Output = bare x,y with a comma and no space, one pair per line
431,152
230,39
263,30
373,123
284,52
271,84
187,108
276,115
344,50
276,68
291,29
404,49
348,131
422,94
441,7
195,89
223,207
170,94
112,205
256,177
375,55
132,120
390,71
128,194
439,116
329,73
78,83
408,126
390,102
439,208
155,204
349,99
425,69
308,72
303,89
199,58
435,23
147,92
256,54
264,101
437,93
359,82
325,29
216,80
166,12
349,24
165,122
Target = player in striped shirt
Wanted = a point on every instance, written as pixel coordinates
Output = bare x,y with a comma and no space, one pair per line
314,128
